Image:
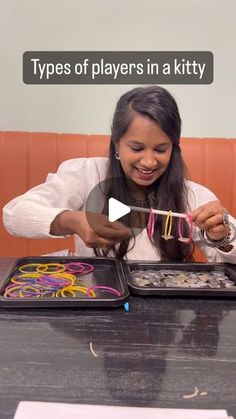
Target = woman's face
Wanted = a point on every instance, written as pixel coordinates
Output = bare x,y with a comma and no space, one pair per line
144,151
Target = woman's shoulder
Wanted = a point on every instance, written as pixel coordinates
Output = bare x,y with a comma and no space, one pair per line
85,163
83,166
198,194
196,187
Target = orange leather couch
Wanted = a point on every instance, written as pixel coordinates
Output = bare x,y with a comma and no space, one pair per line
26,159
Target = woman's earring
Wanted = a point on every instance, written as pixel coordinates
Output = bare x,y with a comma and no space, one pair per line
117,155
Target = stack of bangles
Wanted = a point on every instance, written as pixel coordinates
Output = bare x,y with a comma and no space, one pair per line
168,227
228,239
52,280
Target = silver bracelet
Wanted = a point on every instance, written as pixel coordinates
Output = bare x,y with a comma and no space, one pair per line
218,243
225,217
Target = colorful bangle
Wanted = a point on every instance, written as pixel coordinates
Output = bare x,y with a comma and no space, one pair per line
38,285
33,291
24,269
52,279
44,269
24,278
57,279
72,289
80,268
104,288
182,239
11,288
59,276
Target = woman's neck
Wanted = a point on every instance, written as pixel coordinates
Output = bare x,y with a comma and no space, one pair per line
135,191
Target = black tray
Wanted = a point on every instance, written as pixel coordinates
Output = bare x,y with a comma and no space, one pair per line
107,272
229,270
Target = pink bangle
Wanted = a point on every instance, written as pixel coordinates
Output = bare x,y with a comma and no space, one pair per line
182,239
101,287
150,225
80,268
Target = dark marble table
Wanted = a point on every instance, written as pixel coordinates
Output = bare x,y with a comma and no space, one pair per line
151,356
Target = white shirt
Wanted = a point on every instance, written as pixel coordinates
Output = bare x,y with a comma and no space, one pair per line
31,214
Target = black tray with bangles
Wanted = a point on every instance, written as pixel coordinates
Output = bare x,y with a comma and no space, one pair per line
64,282
106,282
181,279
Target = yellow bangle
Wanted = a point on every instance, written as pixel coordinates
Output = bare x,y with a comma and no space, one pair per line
29,265
72,289
16,280
168,226
65,275
44,268
61,293
16,288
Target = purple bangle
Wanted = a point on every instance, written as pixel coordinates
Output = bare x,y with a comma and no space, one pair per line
53,281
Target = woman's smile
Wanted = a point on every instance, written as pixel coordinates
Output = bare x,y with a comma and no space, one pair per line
145,174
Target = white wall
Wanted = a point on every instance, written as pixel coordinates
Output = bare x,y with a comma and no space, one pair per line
207,110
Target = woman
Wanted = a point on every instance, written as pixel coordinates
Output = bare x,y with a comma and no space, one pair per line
145,168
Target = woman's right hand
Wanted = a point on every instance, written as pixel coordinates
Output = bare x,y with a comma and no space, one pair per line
94,229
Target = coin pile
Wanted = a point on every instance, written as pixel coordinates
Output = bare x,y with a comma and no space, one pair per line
182,279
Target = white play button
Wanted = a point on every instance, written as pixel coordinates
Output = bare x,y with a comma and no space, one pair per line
116,209
113,208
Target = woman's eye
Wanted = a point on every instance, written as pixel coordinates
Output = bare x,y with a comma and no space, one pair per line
160,151
136,149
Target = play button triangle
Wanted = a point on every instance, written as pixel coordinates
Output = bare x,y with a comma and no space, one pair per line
116,209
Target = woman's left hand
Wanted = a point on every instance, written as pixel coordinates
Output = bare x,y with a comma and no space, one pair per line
209,217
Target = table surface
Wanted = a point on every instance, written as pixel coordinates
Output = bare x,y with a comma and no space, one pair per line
150,356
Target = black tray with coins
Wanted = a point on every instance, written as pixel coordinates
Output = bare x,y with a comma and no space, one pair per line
64,282
181,279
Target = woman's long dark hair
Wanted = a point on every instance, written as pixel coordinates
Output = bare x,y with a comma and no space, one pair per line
169,191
